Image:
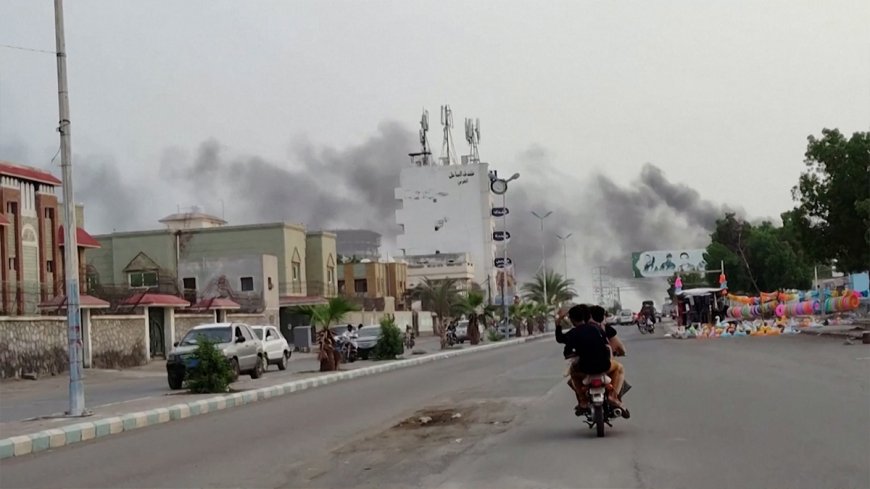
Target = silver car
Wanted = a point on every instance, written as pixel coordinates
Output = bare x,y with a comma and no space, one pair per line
237,342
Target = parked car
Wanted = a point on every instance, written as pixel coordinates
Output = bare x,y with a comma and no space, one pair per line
368,338
625,316
275,348
237,342
511,329
462,331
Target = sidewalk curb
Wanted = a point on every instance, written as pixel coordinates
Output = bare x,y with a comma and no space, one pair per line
18,446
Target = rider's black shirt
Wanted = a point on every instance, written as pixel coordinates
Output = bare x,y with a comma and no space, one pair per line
589,344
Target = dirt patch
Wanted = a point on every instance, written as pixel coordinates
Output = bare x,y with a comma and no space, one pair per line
429,440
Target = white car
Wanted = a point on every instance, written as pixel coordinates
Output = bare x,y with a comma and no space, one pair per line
276,348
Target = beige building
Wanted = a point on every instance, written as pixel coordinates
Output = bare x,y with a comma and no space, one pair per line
199,257
372,279
441,266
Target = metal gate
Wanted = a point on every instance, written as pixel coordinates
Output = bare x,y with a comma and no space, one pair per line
157,332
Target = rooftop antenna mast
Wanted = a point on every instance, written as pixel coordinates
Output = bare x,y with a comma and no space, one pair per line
424,138
448,150
472,135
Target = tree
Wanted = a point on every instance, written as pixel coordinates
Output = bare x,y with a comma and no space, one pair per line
757,259
390,342
472,306
832,218
212,373
559,289
440,297
323,316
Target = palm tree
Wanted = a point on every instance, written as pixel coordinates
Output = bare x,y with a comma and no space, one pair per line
559,288
440,297
323,316
472,306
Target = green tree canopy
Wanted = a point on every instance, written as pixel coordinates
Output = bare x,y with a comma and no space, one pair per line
832,219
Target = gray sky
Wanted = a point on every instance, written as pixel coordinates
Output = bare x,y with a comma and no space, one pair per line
718,96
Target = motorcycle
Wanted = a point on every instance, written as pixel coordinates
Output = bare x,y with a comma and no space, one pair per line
601,411
347,348
452,339
646,325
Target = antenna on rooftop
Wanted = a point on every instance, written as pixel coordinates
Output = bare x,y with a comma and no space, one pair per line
472,135
448,151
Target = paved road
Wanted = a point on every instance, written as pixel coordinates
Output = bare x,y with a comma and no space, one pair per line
752,412
27,399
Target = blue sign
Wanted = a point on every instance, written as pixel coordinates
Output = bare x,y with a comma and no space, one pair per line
500,211
500,262
501,236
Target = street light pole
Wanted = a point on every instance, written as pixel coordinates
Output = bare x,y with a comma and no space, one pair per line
543,254
564,240
502,190
71,258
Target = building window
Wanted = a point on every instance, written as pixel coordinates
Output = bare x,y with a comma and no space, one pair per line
360,285
49,213
12,208
49,266
341,285
330,275
13,265
297,271
189,283
247,284
142,279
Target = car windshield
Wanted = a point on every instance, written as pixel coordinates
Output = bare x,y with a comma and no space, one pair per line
369,332
258,332
216,335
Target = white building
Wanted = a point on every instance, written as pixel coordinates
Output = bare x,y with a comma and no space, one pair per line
447,209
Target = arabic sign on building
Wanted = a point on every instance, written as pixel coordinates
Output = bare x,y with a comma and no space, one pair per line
664,263
501,236
500,211
500,262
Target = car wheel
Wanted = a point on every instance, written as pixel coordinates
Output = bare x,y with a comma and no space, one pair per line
282,364
234,365
175,381
258,369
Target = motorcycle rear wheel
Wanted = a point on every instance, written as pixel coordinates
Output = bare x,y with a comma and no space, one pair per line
598,418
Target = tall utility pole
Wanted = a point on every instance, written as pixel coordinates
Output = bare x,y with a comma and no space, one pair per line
564,240
71,258
543,254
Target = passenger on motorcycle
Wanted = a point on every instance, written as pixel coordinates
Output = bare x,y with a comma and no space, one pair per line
590,346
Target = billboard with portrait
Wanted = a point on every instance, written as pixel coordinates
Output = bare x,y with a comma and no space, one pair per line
664,263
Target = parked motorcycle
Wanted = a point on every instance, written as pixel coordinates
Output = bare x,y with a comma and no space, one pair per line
601,411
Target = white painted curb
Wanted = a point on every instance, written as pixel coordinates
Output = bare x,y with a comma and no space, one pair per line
17,446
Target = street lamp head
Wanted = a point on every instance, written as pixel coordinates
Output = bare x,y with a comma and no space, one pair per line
514,177
540,216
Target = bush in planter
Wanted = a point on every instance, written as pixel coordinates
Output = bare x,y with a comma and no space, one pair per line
493,335
212,373
390,342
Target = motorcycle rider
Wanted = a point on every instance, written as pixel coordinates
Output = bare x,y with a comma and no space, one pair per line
592,344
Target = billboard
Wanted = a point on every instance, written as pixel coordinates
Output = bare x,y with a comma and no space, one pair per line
664,263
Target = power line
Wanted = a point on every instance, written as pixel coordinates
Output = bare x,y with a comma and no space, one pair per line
22,48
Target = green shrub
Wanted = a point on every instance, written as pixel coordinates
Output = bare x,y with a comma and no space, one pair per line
493,335
390,342
212,373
